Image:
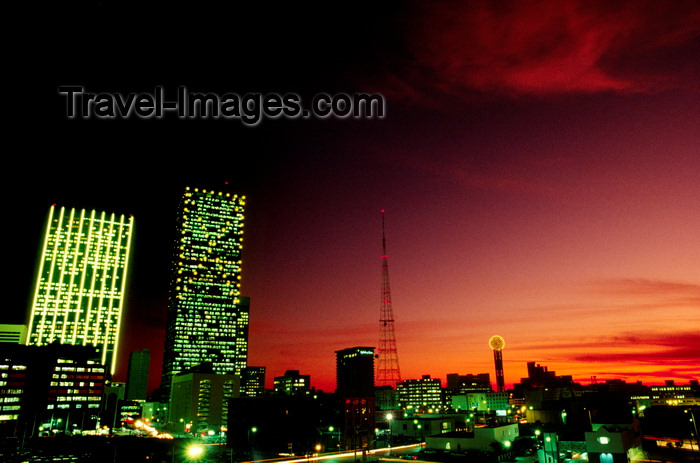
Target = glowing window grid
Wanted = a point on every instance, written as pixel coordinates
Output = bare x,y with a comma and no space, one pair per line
207,319
81,279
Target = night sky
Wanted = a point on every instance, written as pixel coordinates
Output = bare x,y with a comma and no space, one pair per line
539,164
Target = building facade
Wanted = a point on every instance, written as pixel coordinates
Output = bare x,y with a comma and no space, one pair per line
200,401
79,292
420,395
207,316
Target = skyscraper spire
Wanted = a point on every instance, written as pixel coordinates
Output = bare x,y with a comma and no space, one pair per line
388,373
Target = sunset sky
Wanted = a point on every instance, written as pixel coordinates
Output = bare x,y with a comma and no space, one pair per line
539,164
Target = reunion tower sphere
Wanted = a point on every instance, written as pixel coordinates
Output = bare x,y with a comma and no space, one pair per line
497,343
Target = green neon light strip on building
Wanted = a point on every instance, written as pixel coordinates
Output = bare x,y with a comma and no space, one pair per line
80,252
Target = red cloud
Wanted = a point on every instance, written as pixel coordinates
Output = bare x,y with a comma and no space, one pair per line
543,47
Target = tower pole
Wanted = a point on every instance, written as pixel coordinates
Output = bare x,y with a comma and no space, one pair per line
497,343
388,373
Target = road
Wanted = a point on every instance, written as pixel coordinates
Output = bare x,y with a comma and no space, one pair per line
349,457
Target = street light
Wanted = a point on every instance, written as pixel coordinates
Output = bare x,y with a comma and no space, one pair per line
250,440
389,417
195,452
695,427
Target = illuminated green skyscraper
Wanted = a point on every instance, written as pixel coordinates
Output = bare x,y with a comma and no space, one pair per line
207,316
79,292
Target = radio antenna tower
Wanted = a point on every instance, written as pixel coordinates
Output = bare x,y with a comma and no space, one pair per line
388,373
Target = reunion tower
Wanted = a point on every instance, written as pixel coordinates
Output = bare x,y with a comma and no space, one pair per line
497,343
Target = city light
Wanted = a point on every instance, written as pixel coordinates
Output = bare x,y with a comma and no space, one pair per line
195,451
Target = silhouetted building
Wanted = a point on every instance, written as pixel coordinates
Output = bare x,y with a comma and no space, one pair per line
80,284
462,384
360,418
292,383
207,316
355,372
539,377
137,375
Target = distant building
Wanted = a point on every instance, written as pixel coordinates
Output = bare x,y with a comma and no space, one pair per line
114,390
81,281
471,401
253,382
292,383
137,375
420,395
497,401
154,412
386,397
539,377
685,395
207,316
355,372
199,401
14,334
481,401
467,392
462,384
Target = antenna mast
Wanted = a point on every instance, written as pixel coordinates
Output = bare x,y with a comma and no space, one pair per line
388,373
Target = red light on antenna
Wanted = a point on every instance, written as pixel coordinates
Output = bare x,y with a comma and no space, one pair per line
382,211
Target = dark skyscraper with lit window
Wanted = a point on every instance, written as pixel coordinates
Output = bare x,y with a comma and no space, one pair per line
207,316
355,372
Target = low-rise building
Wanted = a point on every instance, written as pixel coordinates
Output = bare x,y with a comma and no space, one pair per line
612,443
52,388
496,439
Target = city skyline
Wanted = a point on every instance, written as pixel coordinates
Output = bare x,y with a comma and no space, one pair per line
538,165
